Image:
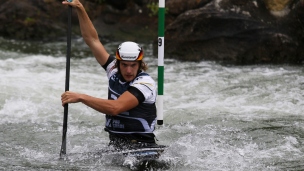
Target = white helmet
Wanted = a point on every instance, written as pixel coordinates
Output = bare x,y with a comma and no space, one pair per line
129,51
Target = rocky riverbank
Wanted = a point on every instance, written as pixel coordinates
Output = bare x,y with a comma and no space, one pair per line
230,31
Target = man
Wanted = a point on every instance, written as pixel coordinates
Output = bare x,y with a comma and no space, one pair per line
130,108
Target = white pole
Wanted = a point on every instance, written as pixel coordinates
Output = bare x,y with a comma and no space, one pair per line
161,41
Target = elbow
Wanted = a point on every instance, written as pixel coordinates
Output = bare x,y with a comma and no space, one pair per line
112,113
87,39
114,110
113,107
90,39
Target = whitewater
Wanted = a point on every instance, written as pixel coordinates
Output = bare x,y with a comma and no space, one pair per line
216,116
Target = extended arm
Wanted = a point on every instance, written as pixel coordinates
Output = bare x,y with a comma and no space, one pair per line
124,103
89,32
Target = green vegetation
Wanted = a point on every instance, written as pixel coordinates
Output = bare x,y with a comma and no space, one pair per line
153,7
29,21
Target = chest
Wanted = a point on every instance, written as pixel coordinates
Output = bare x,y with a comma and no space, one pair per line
116,86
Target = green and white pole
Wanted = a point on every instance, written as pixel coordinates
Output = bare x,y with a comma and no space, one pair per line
161,39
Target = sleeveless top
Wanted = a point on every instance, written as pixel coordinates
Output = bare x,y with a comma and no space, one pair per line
138,123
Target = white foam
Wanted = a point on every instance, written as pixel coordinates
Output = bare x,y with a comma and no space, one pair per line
214,115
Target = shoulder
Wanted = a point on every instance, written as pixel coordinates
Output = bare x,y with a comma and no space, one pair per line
147,86
110,66
144,79
110,62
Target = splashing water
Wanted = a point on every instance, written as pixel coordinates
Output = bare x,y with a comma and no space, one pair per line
215,117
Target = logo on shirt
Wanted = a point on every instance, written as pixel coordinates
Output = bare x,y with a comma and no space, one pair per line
116,124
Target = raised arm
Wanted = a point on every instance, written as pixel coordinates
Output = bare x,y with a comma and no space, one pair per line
89,32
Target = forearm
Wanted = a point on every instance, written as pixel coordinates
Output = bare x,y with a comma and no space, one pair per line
87,28
90,35
124,103
102,105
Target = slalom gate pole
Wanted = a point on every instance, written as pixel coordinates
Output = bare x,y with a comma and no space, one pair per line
161,39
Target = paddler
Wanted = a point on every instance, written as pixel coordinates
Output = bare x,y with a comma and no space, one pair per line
130,109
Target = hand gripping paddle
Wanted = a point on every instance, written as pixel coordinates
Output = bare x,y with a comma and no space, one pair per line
67,82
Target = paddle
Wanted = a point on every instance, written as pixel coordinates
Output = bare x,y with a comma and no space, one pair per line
67,83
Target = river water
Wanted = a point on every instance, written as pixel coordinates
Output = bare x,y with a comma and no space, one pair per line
216,117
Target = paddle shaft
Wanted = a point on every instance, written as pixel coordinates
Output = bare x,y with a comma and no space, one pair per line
67,83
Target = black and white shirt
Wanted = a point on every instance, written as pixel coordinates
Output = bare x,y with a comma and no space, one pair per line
140,121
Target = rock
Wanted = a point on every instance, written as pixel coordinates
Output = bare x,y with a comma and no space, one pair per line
177,7
231,34
276,5
36,19
132,23
230,31
25,20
